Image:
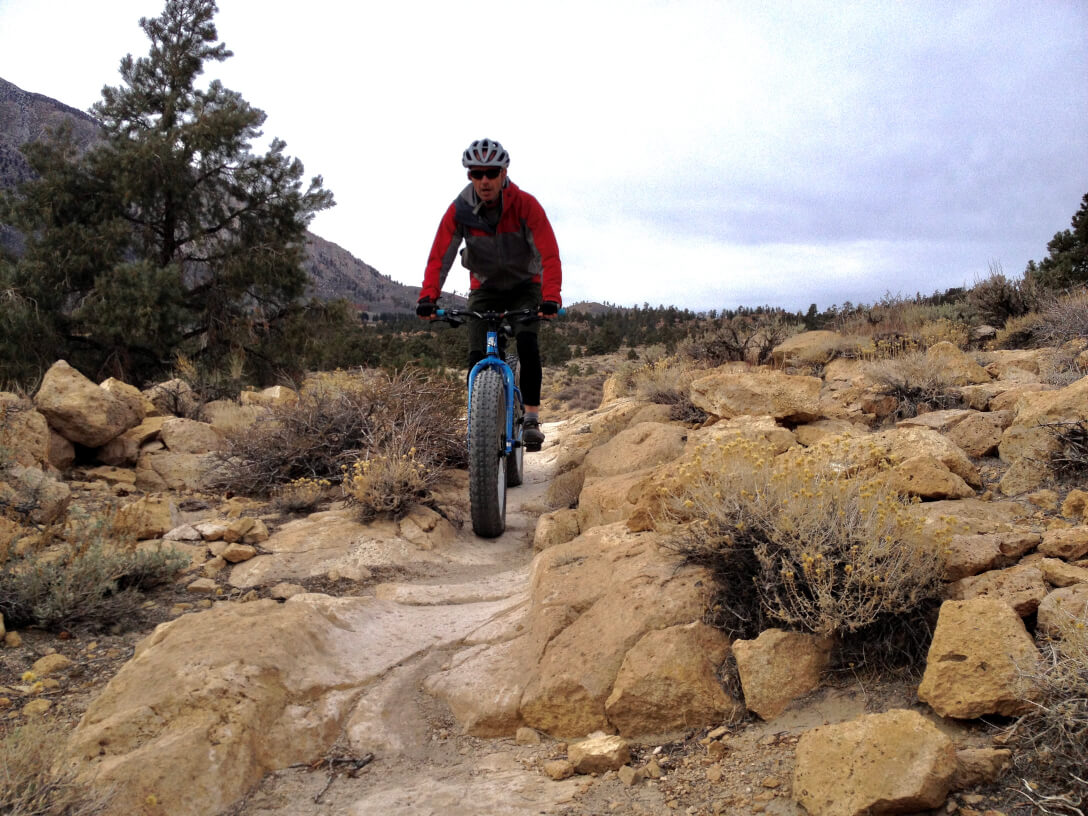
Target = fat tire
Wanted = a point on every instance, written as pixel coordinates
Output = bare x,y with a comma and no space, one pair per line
487,454
515,462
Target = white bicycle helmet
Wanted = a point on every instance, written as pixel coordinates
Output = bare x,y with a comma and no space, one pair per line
485,153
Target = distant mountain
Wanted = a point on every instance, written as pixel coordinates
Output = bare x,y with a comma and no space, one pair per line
335,273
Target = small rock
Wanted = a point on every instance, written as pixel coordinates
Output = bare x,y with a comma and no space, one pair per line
185,532
213,566
716,750
718,732
527,736
652,769
282,591
629,776
558,769
714,774
203,586
37,707
12,640
599,754
250,596
51,664
235,553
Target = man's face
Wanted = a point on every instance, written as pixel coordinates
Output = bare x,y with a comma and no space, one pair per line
488,189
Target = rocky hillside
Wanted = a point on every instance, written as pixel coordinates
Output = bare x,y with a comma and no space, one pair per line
336,273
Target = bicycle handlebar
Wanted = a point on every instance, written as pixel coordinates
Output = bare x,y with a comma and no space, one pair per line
456,317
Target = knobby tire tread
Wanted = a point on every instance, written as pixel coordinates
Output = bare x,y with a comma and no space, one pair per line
486,464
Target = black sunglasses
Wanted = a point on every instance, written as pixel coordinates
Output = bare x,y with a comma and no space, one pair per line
491,173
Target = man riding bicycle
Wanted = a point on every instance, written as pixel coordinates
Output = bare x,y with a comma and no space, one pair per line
513,262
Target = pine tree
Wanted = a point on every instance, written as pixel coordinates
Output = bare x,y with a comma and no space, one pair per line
170,235
1067,263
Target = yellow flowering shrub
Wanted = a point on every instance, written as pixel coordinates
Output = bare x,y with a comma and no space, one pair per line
387,484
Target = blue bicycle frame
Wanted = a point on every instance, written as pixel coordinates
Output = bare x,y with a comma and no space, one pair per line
492,359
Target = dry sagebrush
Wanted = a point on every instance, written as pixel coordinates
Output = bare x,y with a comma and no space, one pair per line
917,383
34,780
795,541
344,417
1052,739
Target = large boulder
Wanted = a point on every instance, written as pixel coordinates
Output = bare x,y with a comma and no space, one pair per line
763,392
778,667
79,410
896,762
213,701
978,661
1029,442
189,436
956,367
669,680
644,445
124,450
24,432
1021,586
593,600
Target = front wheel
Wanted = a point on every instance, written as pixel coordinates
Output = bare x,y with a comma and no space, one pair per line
487,454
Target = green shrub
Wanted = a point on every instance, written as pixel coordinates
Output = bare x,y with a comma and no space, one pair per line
89,572
997,298
803,540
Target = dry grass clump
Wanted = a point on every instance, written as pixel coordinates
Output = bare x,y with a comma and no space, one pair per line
388,484
917,383
343,417
1065,318
34,780
1069,461
300,495
796,541
666,381
1053,738
86,571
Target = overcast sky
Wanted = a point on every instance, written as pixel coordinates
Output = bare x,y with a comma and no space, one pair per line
694,153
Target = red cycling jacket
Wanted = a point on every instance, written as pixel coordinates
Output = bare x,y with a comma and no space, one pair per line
520,248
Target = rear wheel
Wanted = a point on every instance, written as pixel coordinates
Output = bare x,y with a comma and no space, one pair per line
487,454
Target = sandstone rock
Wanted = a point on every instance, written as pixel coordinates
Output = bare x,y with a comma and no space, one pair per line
124,450
778,667
236,553
81,411
186,532
811,433
599,754
979,766
816,348
283,590
635,448
171,398
1068,544
593,599
276,395
980,434
212,530
896,762
1062,606
558,769
527,736
1076,504
51,664
203,586
1027,443
38,496
151,516
1060,574
610,499
978,660
189,436
761,393
943,421
668,681
968,555
1021,587
173,471
556,527
36,708
24,433
927,477
246,530
129,394
958,368
62,453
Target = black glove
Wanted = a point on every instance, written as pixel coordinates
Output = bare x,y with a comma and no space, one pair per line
549,308
425,307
